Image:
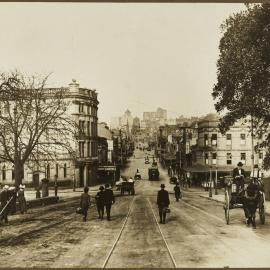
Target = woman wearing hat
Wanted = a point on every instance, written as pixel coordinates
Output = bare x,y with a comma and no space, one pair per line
163,202
100,202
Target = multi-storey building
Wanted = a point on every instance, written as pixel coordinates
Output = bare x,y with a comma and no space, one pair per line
81,166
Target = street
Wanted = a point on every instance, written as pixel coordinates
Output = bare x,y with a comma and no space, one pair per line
195,234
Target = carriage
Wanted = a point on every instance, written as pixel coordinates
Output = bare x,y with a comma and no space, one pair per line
127,187
234,199
137,176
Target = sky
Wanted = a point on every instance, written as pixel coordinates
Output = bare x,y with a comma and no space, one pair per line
137,56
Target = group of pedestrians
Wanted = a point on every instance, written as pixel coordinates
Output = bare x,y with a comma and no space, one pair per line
8,198
104,200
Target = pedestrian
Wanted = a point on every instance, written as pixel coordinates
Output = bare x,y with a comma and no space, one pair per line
108,200
177,192
100,202
85,202
163,202
4,206
12,194
21,199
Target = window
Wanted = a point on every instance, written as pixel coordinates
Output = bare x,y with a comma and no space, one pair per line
81,126
81,149
243,158
214,139
4,173
229,139
92,149
206,158
88,149
205,139
56,170
229,158
13,174
80,108
88,109
260,158
65,170
214,158
242,139
88,128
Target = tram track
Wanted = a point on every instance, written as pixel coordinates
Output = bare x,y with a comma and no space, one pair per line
123,227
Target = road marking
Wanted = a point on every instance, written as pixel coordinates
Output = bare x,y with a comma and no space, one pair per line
175,265
119,235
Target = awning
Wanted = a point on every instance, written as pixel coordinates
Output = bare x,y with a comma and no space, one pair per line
205,168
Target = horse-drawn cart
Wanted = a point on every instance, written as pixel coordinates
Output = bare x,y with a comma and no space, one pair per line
236,197
127,187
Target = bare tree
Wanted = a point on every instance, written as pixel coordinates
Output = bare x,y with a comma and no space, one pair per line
33,120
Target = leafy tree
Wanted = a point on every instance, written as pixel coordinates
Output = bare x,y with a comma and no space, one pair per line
33,121
243,71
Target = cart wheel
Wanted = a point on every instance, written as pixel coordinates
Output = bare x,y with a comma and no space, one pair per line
227,207
262,210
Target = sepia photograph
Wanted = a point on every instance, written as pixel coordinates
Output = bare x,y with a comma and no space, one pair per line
134,135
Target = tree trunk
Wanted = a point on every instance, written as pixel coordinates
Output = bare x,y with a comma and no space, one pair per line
18,172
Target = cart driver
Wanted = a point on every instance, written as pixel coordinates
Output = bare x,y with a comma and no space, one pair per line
239,177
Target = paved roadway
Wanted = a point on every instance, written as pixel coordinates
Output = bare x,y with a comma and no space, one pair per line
195,234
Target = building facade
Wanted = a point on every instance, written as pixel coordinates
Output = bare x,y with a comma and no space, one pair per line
79,167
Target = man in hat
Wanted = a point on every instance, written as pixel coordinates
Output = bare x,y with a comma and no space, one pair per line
100,202
108,200
21,199
163,202
177,191
239,176
4,206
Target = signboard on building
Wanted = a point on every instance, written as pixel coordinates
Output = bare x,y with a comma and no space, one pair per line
106,168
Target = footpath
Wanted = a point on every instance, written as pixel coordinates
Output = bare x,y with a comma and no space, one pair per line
219,197
61,193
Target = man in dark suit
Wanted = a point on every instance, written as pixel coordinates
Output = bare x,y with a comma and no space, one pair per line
4,200
108,198
239,176
163,202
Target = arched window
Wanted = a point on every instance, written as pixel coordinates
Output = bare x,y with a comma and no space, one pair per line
48,171
65,170
4,172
